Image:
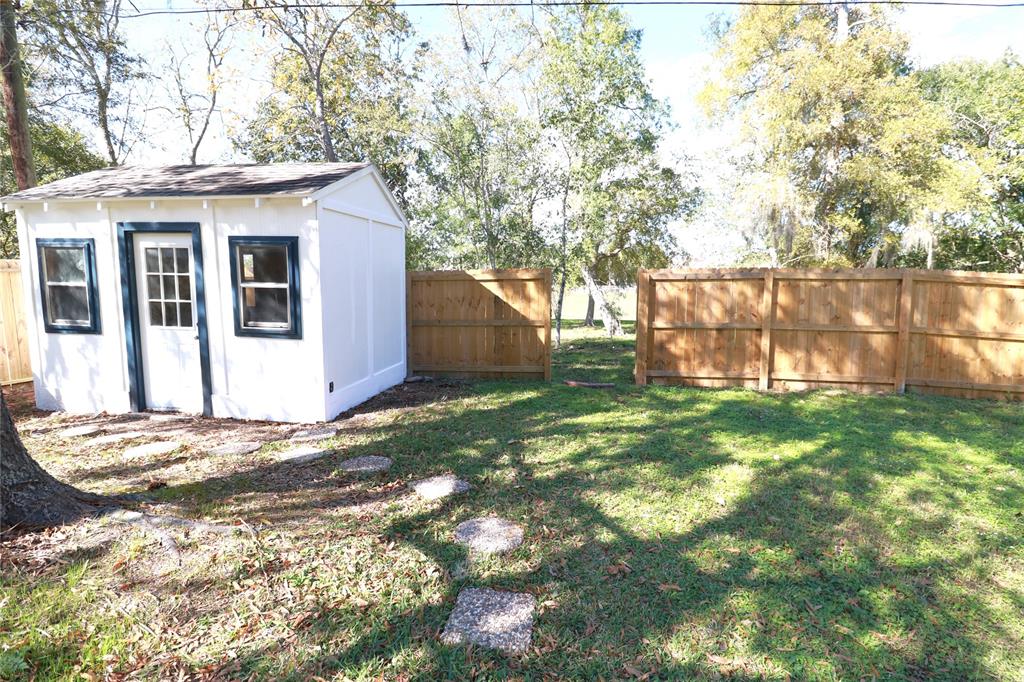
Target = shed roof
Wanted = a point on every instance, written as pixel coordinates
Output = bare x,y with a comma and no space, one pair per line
142,182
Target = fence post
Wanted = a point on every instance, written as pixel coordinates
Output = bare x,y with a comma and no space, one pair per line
767,314
643,291
547,325
903,337
408,324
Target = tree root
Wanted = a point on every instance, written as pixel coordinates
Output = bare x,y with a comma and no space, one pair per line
157,525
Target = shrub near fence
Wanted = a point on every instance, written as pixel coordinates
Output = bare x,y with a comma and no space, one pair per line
953,333
480,323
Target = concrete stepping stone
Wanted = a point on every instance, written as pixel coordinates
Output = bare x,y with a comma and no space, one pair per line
79,431
489,535
367,464
492,619
301,454
160,447
112,438
315,434
437,487
242,447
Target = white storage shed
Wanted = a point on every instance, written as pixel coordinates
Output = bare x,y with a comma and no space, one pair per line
249,291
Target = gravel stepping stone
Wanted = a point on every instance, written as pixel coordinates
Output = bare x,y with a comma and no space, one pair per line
439,486
368,464
302,453
161,447
489,535
112,438
492,619
78,431
243,447
315,434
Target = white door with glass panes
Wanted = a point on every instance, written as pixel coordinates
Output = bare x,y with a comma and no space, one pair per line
168,323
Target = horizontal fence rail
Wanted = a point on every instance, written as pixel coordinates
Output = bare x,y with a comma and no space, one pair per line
480,323
952,333
15,366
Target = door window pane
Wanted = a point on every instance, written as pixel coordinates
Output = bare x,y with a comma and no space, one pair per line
185,316
168,287
170,314
184,288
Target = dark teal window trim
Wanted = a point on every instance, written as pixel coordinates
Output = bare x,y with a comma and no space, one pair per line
293,331
130,301
92,292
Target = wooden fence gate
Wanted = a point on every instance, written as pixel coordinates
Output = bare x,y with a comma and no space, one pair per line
15,365
479,323
953,333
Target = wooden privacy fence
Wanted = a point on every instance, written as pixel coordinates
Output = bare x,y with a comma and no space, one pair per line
954,333
15,366
480,323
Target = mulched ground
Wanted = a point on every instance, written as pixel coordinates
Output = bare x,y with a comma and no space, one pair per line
189,481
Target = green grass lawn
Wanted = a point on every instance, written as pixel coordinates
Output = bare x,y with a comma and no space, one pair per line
670,533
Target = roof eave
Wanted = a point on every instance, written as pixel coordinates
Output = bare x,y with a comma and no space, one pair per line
304,196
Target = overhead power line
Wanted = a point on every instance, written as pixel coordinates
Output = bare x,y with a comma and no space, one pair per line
145,12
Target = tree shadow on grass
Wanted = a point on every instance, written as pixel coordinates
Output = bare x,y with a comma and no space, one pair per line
804,572
663,534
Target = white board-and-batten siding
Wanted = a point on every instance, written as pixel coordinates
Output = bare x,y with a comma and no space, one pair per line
351,272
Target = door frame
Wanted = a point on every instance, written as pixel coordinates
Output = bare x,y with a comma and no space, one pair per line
130,299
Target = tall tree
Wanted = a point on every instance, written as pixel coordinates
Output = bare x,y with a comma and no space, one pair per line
985,102
342,90
58,151
15,100
483,173
194,108
604,126
30,497
846,152
84,67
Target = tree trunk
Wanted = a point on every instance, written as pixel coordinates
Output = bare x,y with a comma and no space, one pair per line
30,497
588,321
558,307
15,104
325,130
612,326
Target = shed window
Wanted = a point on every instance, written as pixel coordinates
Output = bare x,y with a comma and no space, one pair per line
67,279
266,287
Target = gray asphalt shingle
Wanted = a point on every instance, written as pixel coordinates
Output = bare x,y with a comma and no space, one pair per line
139,182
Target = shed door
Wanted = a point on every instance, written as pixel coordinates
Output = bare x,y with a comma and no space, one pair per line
167,322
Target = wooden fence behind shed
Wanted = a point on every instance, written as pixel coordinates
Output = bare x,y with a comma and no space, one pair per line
953,333
15,366
480,323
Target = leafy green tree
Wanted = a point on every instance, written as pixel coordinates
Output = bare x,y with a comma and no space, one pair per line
985,102
83,67
342,90
484,178
615,200
58,151
846,151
